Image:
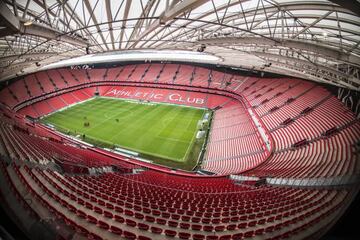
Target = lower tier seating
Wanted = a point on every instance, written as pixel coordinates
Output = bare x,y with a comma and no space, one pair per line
113,205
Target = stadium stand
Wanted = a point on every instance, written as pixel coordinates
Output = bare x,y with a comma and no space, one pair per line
179,119
312,135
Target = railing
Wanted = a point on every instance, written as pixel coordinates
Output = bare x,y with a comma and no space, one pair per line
315,182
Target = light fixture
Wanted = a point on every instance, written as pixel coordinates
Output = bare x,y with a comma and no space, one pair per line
28,23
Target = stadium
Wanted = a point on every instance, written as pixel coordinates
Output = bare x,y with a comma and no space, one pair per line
179,119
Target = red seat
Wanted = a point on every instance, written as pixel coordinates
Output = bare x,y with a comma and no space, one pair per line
198,237
219,228
269,229
129,235
137,208
143,226
259,231
129,212
199,214
208,228
156,230
119,209
80,201
108,214
71,208
206,220
149,219
139,216
143,238
161,221
184,225
82,230
165,215
101,202
81,213
231,227
93,236
249,234
98,210
225,237
243,218
175,216
170,233
146,210
185,218
171,210
173,223
212,237
103,225
183,235
196,227
109,206
262,221
237,236
130,223
91,219
216,214
116,230
156,212
215,221
119,219
252,224
242,225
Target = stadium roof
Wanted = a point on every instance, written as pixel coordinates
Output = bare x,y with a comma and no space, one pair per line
317,40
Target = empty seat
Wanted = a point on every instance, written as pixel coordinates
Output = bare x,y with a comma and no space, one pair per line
170,233
116,230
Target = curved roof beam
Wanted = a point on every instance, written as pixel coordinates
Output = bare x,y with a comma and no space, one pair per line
286,6
30,55
140,22
93,17
167,15
16,25
289,43
110,19
219,8
123,26
287,65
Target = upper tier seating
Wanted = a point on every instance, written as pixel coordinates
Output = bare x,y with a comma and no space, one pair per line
49,81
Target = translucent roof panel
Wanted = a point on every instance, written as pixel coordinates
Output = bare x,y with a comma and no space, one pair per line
97,26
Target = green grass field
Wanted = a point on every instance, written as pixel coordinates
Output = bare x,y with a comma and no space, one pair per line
162,133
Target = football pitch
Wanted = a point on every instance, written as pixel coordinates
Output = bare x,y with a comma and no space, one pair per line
165,134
